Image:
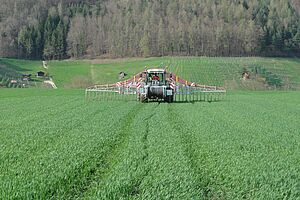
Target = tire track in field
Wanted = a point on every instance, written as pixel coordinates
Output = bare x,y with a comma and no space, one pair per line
189,151
136,189
234,135
169,174
106,161
129,167
93,73
44,148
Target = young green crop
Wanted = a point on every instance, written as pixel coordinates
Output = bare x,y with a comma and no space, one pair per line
54,145
50,147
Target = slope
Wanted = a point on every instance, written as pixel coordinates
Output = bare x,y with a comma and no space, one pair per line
209,71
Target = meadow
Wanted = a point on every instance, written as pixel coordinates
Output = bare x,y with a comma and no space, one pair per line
204,70
56,145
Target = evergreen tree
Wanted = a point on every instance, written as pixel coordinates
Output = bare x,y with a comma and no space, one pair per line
25,40
60,46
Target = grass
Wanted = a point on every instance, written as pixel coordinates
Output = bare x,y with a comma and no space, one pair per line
54,145
203,70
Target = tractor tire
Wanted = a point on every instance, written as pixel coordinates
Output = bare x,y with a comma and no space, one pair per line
142,98
169,99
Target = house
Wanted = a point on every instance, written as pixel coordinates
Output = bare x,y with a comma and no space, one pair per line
40,74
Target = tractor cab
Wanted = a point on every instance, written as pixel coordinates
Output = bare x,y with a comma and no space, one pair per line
156,86
156,77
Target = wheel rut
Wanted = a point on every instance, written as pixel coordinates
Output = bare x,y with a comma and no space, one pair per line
189,151
104,163
136,188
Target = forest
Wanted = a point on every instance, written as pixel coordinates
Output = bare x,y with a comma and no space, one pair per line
59,29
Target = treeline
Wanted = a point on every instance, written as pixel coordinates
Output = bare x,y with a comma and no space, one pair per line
57,29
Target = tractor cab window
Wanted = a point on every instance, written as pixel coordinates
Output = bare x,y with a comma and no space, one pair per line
157,78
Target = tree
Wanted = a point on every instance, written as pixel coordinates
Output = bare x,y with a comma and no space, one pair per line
77,40
193,37
60,46
296,40
118,28
144,45
25,40
162,40
250,39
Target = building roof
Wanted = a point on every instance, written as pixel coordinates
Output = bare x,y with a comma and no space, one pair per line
155,71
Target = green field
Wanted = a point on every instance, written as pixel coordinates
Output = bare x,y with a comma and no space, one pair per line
208,71
56,145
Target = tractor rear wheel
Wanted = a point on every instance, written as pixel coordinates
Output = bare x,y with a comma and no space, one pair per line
169,99
142,98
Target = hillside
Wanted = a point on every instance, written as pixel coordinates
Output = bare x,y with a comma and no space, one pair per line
55,29
209,71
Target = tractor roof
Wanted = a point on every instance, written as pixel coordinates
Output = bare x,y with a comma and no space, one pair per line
155,71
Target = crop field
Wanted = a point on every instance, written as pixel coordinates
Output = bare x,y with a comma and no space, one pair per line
55,145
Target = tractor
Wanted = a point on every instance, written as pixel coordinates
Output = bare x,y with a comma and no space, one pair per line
156,87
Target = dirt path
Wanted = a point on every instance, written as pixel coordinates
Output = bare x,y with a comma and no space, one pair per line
93,73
